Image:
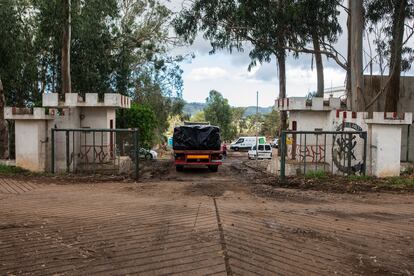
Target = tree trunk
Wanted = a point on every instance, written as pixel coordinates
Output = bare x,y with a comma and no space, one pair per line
66,80
3,126
348,71
393,91
319,65
357,78
281,59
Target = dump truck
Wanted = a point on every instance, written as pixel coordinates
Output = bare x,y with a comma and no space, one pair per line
197,145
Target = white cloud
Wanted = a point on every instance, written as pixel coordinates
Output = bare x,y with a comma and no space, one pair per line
207,73
300,81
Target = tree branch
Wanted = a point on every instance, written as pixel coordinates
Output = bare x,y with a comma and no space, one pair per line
323,52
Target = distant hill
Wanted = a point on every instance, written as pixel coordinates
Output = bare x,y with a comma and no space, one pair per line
262,110
193,108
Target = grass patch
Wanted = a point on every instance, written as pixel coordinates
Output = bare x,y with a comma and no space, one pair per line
359,177
316,175
400,182
11,170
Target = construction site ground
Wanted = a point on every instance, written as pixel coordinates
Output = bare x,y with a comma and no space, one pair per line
233,222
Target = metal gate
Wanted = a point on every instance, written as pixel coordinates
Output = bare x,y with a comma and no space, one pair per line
89,151
337,152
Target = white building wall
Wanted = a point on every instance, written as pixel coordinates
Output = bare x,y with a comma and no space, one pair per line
385,153
98,118
33,130
31,146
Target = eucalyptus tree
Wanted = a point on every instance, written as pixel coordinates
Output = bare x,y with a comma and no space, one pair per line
264,25
115,46
3,126
65,47
271,27
317,23
218,112
17,53
398,18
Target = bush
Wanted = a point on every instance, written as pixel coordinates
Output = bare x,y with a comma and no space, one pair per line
141,117
11,170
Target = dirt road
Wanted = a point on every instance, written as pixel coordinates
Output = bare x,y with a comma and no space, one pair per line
201,223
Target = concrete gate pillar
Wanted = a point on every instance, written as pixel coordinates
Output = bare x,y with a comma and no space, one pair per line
385,145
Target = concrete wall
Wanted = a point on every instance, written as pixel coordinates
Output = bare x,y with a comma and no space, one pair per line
372,85
384,154
35,155
309,120
33,130
31,145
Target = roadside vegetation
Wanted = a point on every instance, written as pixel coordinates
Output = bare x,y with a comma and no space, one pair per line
320,180
233,121
321,175
116,46
11,170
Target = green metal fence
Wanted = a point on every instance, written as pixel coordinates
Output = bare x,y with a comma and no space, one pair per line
337,152
89,151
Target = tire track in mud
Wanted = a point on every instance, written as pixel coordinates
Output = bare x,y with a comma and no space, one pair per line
223,240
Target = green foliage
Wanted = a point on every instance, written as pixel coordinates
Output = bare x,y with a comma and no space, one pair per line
116,46
316,175
355,177
218,112
230,24
141,117
198,117
10,170
239,121
317,18
400,182
269,26
17,57
271,124
382,18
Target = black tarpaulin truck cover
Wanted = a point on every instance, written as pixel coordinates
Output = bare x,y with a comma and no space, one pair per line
196,137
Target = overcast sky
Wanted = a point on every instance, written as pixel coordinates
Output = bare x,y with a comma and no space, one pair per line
228,74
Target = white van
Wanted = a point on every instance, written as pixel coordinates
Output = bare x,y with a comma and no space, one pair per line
246,143
264,152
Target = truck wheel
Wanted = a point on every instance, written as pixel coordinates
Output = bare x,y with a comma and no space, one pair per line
179,168
213,168
236,149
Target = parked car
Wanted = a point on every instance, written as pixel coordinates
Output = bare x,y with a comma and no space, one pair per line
143,154
246,143
275,143
264,152
147,154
